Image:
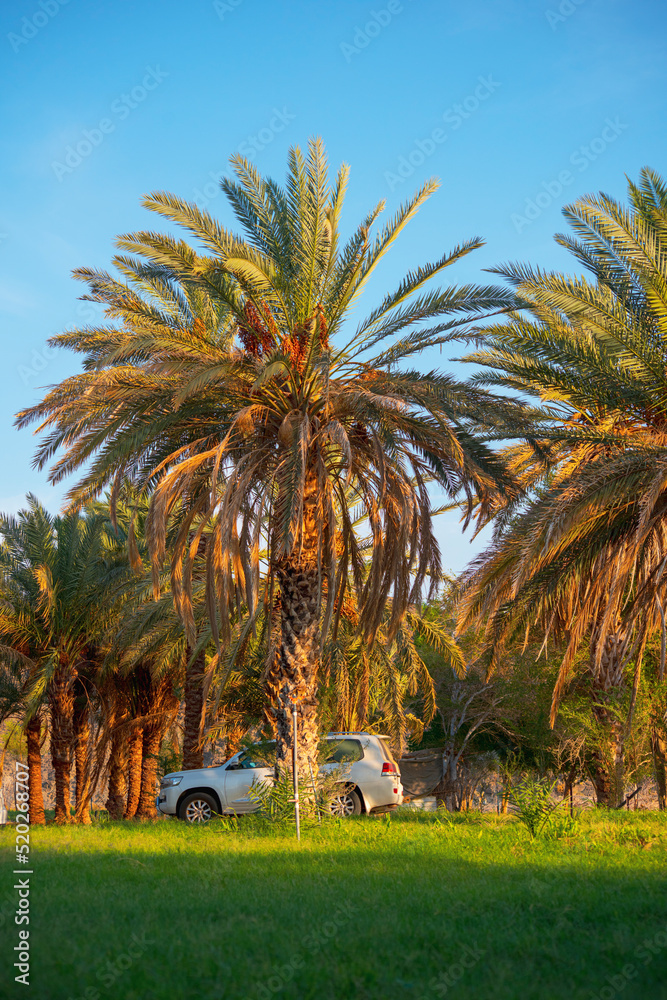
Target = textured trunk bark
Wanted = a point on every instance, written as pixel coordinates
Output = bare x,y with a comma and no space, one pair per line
659,749
608,766
193,753
618,773
293,674
607,769
81,727
33,734
62,707
445,790
151,749
600,777
162,706
292,677
117,769
134,760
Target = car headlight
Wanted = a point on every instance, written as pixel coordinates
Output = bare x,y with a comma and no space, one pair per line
170,782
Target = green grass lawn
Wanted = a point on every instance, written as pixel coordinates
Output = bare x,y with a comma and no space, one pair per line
371,908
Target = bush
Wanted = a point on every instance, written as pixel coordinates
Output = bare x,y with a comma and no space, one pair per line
275,797
534,804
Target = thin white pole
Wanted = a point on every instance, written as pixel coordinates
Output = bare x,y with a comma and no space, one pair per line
295,773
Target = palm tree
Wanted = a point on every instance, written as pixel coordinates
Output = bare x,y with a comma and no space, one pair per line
584,557
145,664
16,704
50,571
265,423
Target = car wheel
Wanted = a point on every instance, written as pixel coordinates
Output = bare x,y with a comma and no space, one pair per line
199,807
346,803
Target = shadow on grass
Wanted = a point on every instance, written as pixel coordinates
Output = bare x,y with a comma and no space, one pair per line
369,910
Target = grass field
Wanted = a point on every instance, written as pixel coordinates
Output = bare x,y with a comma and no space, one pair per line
407,907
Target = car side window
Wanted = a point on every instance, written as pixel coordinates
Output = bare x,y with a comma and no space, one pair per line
345,752
247,761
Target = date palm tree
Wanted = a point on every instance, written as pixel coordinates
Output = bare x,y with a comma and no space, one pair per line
51,597
17,708
150,633
269,419
584,558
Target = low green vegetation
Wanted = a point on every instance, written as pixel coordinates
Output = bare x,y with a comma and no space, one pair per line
416,905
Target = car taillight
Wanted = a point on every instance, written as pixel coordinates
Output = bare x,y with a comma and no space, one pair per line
388,768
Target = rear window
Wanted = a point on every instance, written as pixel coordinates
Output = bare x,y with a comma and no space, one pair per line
386,751
344,752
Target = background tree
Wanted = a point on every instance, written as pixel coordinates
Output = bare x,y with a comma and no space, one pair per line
583,558
51,577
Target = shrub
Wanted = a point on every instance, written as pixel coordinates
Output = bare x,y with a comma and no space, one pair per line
534,804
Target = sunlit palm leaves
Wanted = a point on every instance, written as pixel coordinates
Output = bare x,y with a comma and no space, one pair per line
50,587
586,556
230,384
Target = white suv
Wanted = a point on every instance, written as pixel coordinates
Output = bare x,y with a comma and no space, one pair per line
372,782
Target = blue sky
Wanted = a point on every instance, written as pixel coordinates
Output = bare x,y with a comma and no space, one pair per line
518,107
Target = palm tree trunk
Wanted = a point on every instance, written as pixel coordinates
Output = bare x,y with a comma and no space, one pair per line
117,770
599,773
62,709
81,727
134,761
193,753
608,768
659,749
152,739
162,706
292,676
33,735
618,773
